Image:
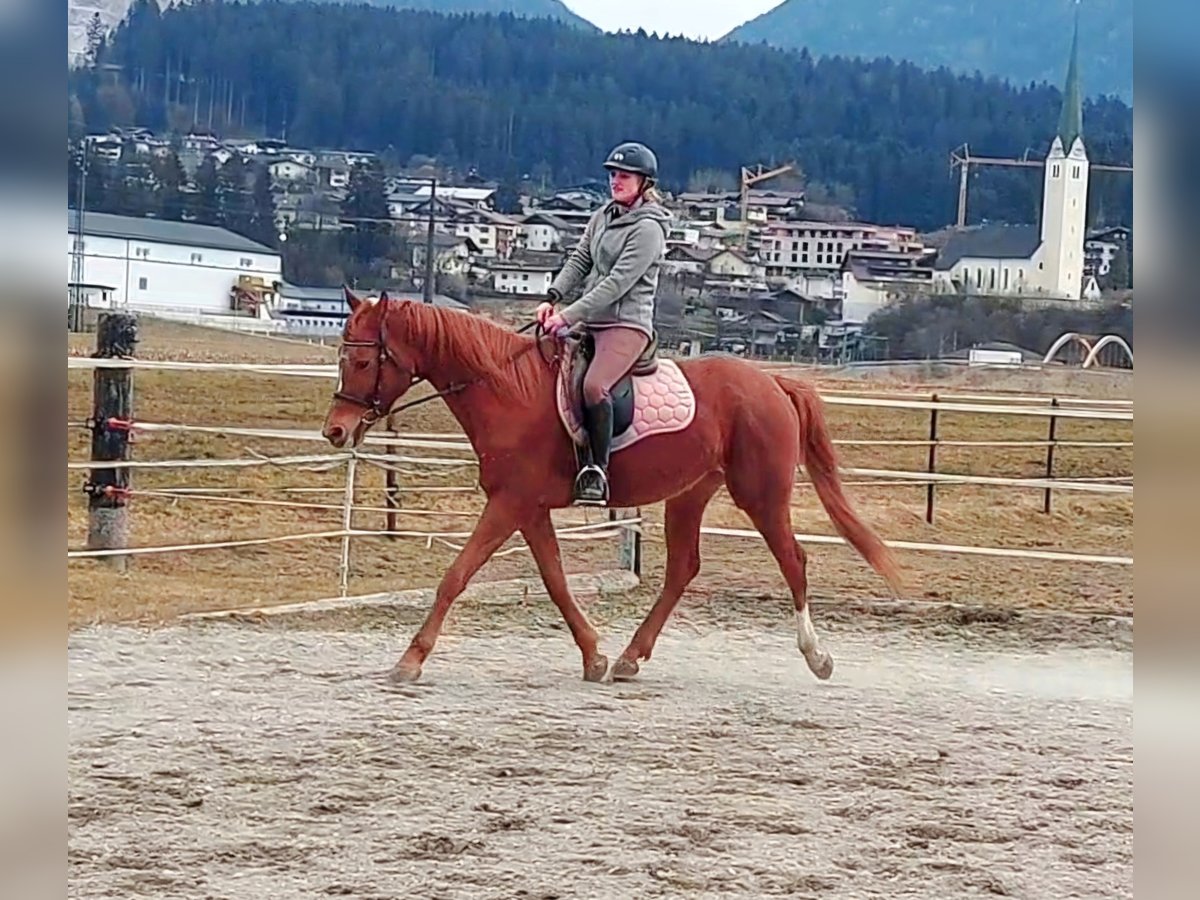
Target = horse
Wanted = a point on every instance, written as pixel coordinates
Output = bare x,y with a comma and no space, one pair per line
742,428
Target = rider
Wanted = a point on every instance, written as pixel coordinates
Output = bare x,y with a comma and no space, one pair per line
623,246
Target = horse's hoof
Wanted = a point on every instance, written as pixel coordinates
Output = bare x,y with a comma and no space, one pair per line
624,669
596,668
821,665
404,674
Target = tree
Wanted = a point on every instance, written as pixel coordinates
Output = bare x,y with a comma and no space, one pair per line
262,209
366,208
169,181
712,181
76,123
132,191
206,203
233,195
96,33
508,199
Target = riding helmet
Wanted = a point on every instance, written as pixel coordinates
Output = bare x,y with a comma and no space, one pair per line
632,156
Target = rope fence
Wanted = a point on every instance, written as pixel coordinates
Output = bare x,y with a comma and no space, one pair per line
423,453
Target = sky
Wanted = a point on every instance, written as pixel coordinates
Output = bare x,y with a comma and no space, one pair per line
699,19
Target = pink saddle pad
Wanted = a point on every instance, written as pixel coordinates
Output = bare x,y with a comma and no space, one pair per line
663,402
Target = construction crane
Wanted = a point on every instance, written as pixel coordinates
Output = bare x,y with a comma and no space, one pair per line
962,159
748,180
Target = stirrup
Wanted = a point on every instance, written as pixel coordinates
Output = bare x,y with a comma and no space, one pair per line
591,486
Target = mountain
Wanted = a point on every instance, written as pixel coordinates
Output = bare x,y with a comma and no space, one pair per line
873,135
80,12
1018,40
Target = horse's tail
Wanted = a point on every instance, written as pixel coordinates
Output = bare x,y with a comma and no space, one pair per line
820,460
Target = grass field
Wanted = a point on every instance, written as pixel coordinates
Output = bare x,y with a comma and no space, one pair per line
159,587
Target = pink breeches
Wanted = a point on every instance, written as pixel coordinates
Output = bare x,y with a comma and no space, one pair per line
617,349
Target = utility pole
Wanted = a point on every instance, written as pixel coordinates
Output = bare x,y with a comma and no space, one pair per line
751,178
75,307
428,294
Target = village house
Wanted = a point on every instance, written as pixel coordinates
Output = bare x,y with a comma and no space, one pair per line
451,253
789,248
545,231
683,259
291,170
523,278
1102,246
471,196
734,265
495,234
871,279
686,234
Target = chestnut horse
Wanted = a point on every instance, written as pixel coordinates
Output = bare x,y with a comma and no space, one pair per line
750,431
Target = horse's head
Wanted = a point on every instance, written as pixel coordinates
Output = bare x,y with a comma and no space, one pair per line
374,371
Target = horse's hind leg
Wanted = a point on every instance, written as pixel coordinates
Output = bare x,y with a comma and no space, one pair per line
767,501
682,526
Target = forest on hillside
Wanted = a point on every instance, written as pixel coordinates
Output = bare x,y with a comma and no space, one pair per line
516,97
1018,40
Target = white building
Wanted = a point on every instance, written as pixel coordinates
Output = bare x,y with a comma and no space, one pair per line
1047,259
322,312
291,170
522,279
543,232
791,248
872,279
171,267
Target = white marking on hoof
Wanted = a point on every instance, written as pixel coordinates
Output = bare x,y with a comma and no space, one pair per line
820,662
806,635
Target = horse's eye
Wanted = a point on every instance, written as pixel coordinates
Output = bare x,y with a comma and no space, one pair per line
361,364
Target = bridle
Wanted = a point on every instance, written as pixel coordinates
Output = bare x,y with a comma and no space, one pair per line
373,405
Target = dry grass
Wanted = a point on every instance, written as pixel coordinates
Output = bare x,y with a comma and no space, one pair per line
159,587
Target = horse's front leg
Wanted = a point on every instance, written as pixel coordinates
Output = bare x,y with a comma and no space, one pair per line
496,525
539,535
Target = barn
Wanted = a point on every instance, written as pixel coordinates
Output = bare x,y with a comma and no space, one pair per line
156,265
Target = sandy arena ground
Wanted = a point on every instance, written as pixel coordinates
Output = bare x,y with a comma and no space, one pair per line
222,760
958,751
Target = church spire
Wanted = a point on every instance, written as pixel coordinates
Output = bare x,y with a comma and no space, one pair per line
1070,121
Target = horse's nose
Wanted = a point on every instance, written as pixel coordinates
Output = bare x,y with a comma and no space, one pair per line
335,434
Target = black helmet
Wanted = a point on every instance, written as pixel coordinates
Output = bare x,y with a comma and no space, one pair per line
633,157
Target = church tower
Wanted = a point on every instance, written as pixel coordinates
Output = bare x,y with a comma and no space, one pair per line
1065,191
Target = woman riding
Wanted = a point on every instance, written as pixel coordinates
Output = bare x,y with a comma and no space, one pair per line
622,246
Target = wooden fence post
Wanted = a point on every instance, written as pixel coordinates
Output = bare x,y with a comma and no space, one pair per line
392,484
630,552
347,524
112,415
932,467
1052,437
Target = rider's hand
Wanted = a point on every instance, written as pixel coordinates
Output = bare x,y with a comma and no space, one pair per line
555,323
544,312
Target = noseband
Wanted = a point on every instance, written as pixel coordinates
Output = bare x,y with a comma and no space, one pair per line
372,404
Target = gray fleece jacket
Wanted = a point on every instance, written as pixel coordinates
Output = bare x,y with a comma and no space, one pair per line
624,248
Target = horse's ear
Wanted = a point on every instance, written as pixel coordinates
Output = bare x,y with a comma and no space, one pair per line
352,299
383,296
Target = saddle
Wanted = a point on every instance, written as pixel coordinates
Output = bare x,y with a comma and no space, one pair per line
653,398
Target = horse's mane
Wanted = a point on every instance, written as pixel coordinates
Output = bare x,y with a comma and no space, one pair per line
507,360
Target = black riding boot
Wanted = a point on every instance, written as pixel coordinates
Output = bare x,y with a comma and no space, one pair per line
591,485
